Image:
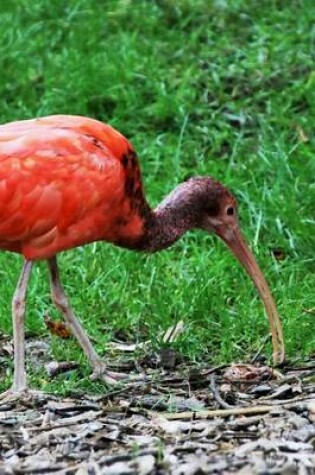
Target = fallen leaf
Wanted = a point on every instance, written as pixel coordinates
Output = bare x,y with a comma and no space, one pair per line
243,372
302,135
311,410
57,328
145,464
173,332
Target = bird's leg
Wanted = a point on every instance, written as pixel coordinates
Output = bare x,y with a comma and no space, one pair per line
19,390
18,315
61,301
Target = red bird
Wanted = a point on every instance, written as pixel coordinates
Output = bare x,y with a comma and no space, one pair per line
66,181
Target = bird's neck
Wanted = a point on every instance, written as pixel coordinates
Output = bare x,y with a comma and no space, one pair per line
161,231
165,224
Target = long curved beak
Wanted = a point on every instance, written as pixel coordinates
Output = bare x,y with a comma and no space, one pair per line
235,241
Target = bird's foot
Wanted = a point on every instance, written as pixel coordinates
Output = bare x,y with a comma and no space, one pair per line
26,395
110,377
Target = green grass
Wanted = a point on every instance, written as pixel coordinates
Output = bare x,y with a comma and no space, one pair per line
222,88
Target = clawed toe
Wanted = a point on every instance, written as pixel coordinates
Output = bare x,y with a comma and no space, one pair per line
26,395
110,377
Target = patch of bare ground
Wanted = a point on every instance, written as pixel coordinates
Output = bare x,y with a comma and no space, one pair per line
242,419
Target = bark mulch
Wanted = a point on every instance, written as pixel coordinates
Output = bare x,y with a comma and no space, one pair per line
242,419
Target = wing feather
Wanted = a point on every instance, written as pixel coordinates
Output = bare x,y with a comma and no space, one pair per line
61,182
66,181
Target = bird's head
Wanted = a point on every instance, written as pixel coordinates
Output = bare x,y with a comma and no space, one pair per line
206,204
216,207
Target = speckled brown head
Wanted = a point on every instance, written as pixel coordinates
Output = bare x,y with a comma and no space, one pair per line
206,204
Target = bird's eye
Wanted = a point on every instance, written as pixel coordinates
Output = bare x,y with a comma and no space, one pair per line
230,210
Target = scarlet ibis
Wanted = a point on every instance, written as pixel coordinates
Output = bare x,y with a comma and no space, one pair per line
66,181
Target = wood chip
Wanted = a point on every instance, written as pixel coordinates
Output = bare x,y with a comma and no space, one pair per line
171,423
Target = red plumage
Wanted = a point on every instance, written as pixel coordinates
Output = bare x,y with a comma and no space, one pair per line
66,181
63,183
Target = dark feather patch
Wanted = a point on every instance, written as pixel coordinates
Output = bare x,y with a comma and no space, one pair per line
133,183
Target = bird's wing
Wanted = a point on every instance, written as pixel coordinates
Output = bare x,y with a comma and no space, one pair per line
61,177
97,131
